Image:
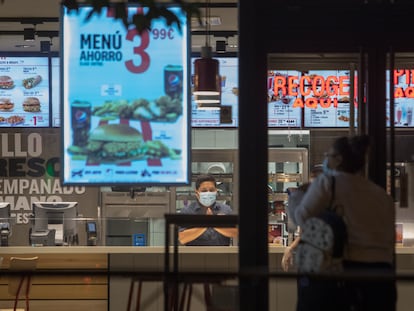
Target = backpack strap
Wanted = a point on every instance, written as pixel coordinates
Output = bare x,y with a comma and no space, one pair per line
331,207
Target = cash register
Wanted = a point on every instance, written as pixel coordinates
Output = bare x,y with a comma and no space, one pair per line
5,230
91,233
54,223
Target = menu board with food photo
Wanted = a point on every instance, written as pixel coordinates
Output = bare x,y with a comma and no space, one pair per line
229,96
24,91
125,108
403,80
326,98
281,112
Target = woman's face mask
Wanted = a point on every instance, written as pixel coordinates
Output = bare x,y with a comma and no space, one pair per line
325,166
330,162
207,198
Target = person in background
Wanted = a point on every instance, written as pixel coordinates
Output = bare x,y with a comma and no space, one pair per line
206,204
287,259
370,217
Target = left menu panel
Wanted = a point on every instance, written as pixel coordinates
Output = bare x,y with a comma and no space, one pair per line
24,91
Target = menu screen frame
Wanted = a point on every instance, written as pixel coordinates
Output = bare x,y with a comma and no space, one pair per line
55,85
25,97
228,69
136,107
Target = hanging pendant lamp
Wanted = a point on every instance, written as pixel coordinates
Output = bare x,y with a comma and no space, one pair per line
207,81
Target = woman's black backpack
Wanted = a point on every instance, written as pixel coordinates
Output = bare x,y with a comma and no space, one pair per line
322,241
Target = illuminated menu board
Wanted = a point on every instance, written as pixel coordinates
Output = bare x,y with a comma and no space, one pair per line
24,91
281,112
326,98
323,96
125,102
229,96
403,98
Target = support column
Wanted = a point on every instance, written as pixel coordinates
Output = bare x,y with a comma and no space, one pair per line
376,97
253,157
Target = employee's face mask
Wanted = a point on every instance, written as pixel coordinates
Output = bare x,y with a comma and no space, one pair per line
208,198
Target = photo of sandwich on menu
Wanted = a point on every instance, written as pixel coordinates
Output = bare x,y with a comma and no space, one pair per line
6,82
116,143
31,82
31,104
6,104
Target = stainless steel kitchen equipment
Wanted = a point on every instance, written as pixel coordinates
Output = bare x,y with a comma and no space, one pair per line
287,167
404,202
134,218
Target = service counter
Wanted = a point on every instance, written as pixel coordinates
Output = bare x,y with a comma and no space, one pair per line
56,290
105,289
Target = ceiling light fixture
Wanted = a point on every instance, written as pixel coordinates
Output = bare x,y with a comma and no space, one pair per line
207,82
207,102
29,34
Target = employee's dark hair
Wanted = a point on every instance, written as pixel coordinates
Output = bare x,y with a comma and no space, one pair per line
204,178
353,151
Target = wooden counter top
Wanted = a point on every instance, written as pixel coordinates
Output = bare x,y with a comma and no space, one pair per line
120,249
142,249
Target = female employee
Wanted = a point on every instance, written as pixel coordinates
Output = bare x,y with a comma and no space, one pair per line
206,194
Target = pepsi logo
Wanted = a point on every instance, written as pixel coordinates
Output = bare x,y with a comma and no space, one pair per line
174,80
80,116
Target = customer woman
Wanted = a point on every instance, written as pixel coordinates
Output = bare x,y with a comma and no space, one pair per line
369,214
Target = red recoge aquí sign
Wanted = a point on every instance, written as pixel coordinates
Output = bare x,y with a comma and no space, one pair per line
313,90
